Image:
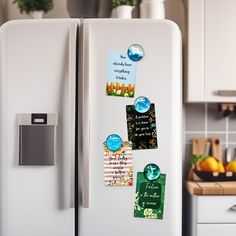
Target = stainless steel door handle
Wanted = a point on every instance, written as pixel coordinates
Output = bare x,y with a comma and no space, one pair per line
227,93
71,106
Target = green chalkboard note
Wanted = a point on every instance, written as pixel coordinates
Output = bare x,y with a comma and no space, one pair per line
150,195
149,202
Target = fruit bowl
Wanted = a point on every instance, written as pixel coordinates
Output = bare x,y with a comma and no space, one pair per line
215,176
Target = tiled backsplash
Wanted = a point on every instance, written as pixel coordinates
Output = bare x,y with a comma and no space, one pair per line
204,120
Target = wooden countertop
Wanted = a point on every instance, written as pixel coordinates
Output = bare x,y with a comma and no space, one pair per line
211,188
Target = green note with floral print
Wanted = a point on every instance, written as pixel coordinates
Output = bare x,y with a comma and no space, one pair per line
150,196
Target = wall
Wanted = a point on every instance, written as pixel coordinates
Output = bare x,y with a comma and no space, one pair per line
2,11
204,120
176,11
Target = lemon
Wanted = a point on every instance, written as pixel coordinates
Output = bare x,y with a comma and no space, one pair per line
231,166
209,164
221,168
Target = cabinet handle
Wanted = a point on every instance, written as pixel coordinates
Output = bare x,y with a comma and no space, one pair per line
233,208
227,93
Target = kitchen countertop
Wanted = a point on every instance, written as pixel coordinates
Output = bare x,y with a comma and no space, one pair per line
211,188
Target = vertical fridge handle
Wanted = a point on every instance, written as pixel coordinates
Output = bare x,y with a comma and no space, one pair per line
85,159
71,106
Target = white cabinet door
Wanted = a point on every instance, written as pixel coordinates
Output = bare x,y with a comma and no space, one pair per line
216,229
211,73
195,84
216,209
220,50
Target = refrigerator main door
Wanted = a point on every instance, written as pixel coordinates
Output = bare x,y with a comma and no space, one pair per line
36,77
106,210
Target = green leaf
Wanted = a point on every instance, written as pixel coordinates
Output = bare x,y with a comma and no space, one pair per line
27,6
195,158
116,3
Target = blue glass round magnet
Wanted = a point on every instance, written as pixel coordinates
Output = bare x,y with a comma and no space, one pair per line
151,172
135,52
142,104
114,142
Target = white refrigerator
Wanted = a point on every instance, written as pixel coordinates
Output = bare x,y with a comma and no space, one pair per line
66,87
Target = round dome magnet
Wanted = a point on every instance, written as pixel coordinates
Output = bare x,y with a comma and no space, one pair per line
135,52
151,172
142,104
114,142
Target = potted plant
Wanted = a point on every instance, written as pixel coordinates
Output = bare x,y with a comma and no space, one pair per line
34,8
123,8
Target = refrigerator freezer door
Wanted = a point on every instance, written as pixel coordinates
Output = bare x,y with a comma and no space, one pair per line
109,210
36,78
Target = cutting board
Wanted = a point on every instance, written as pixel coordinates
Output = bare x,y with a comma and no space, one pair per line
207,146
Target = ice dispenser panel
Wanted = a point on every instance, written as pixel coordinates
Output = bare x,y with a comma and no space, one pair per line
37,138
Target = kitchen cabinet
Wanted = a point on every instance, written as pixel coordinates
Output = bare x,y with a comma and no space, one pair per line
211,59
216,230
213,215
